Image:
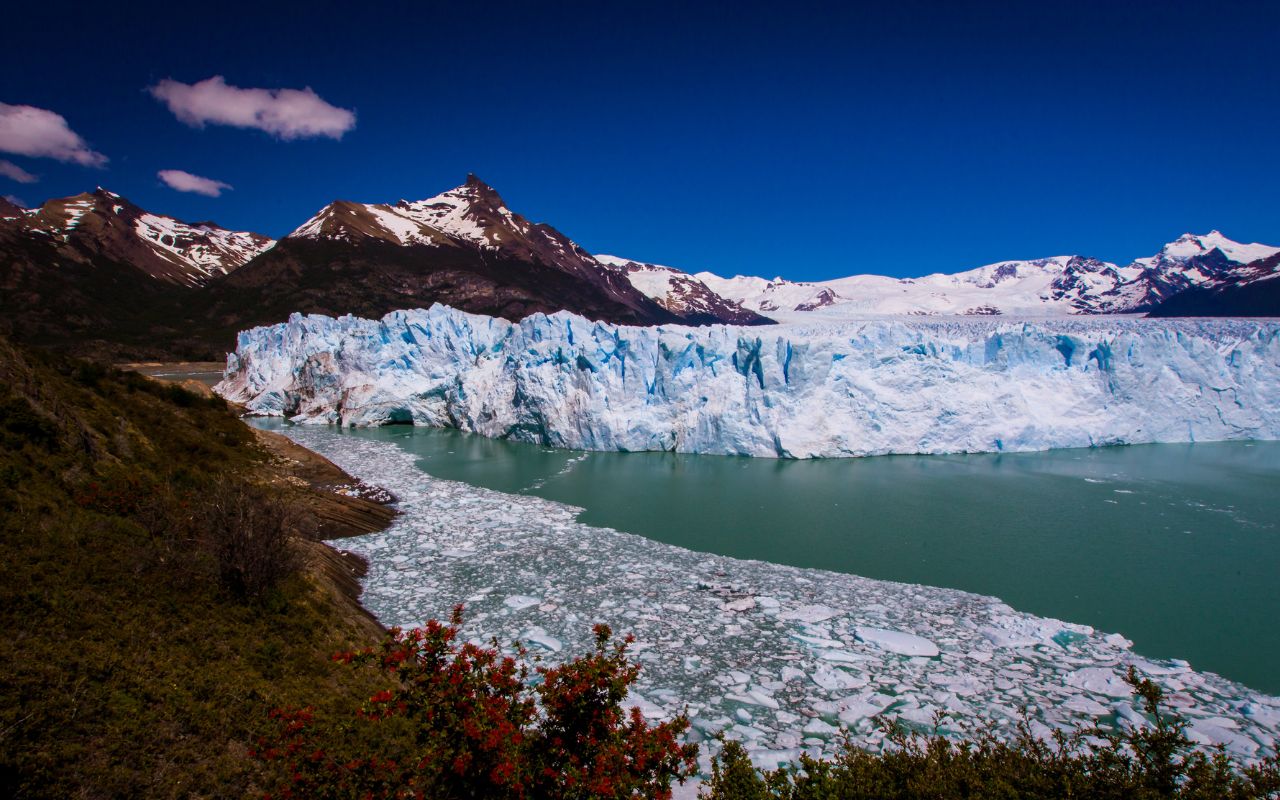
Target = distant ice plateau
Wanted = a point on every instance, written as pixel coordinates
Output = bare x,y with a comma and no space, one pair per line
798,390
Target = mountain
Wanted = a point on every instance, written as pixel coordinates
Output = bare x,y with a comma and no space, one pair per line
464,248
1061,285
103,225
1040,287
9,209
681,293
97,275
1252,290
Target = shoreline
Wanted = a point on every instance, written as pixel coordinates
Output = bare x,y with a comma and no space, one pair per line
828,650
341,505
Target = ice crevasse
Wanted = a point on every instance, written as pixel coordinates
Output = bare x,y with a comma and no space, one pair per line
897,385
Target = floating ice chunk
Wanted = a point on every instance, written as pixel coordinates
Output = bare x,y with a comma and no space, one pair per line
816,727
537,636
647,708
906,644
520,602
859,707
925,715
1131,715
1266,715
762,697
1085,705
813,613
1211,732
1116,640
841,656
747,732
772,759
1155,669
1100,680
836,679
741,604
818,641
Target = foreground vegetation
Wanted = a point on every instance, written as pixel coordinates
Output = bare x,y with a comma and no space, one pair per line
170,629
1147,763
155,593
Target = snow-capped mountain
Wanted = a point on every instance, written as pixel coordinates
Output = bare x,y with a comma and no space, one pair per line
472,215
1042,287
1251,290
103,225
464,247
1190,262
681,293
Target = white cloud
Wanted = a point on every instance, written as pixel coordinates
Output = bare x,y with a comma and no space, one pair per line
17,201
186,182
16,173
31,131
285,113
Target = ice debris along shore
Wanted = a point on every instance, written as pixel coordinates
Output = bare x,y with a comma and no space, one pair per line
778,657
848,389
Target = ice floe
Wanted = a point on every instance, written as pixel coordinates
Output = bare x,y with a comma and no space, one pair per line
814,656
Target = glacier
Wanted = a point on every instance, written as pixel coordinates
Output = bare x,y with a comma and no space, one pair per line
798,390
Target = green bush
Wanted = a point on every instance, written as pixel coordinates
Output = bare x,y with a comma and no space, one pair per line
1144,763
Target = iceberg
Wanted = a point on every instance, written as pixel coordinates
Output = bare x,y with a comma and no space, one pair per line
800,390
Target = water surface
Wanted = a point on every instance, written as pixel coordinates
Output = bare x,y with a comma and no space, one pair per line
1176,546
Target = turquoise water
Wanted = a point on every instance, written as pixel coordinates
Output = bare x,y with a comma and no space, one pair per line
1175,546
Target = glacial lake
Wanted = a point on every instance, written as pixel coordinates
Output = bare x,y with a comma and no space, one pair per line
1175,546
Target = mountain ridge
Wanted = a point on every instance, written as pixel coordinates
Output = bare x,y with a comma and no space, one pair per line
95,273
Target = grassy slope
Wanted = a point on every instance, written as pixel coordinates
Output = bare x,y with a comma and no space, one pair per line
125,669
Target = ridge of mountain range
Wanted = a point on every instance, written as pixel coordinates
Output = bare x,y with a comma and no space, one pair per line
96,274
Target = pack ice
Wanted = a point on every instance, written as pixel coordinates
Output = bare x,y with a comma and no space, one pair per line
797,390
785,660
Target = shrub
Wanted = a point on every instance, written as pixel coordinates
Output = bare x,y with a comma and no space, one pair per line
1143,763
249,531
478,728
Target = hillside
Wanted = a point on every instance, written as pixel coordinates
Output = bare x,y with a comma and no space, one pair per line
140,653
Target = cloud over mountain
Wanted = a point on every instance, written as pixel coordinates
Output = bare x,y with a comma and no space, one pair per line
31,131
186,182
14,172
284,113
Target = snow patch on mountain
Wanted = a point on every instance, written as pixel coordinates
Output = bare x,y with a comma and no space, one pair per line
206,249
848,389
470,213
678,291
1046,287
1188,246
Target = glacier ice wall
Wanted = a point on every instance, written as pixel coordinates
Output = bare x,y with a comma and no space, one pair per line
847,389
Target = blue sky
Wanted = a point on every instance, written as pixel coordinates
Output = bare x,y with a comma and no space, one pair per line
802,140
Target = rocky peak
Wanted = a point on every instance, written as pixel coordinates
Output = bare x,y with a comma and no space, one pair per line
104,225
10,209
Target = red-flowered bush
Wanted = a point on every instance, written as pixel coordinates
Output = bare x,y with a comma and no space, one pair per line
475,725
